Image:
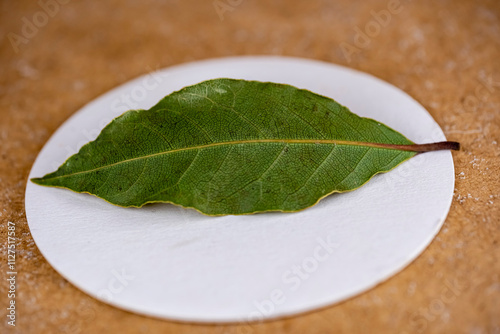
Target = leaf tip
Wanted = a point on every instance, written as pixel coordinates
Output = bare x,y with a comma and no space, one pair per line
37,180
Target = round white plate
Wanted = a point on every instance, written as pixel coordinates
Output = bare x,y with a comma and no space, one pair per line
165,261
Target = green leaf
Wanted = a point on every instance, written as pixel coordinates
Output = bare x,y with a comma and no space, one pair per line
229,146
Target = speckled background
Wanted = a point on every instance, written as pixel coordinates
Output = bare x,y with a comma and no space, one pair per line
444,53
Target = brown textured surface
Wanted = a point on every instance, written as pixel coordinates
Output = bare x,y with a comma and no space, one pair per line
443,53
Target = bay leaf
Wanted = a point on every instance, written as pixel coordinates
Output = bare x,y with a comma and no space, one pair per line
228,146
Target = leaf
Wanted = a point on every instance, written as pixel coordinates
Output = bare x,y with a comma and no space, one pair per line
229,146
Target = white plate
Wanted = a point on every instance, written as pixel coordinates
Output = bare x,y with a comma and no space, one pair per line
165,261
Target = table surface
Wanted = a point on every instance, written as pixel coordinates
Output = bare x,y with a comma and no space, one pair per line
57,56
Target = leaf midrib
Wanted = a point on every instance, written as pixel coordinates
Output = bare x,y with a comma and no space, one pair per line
251,141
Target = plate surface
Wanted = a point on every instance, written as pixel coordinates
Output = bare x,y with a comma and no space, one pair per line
165,261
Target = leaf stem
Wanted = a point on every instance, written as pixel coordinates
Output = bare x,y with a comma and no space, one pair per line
421,148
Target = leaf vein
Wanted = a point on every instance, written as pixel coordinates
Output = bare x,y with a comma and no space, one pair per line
312,174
